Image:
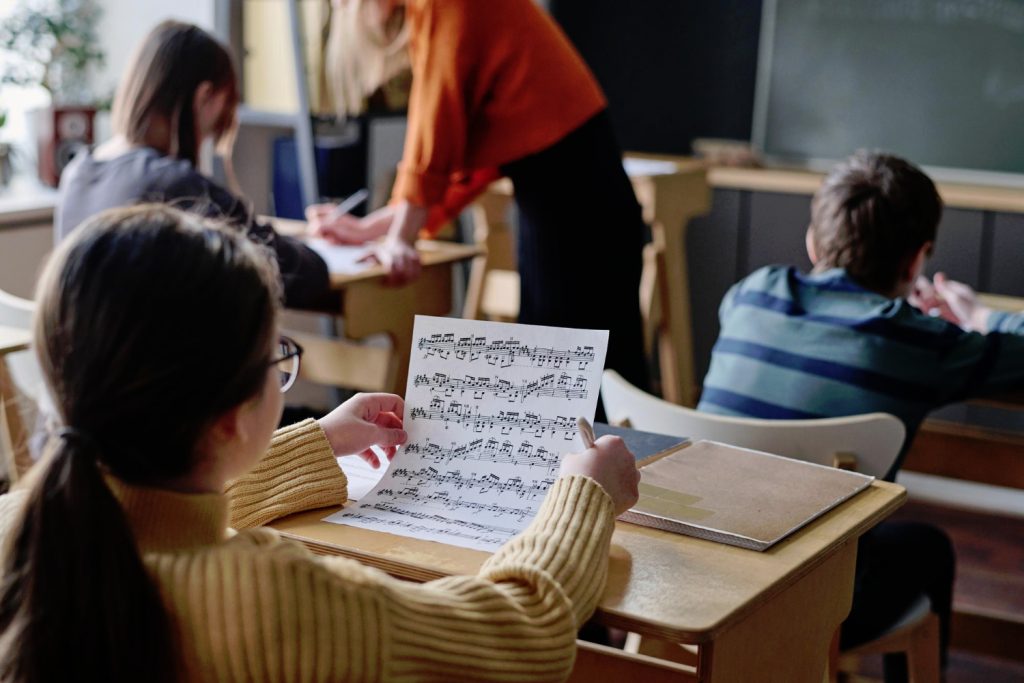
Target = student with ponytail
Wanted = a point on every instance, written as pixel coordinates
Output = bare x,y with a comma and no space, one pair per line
156,333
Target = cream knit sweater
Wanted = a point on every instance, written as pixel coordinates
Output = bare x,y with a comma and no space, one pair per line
251,606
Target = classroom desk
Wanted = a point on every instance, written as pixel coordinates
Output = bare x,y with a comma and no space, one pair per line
756,616
371,307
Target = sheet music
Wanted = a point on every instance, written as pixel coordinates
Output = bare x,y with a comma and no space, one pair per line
490,408
342,259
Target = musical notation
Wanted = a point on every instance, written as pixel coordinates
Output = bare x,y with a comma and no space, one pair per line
431,500
563,386
468,416
530,489
489,409
504,353
396,517
489,450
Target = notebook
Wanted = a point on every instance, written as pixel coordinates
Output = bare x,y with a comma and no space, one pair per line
643,445
737,496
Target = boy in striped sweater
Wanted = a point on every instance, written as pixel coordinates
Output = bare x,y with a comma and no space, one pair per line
865,332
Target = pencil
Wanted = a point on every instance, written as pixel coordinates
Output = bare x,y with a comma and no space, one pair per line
586,432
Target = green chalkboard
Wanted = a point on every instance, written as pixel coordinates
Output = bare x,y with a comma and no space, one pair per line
940,82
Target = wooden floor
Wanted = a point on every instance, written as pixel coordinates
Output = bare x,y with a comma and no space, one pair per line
990,579
990,556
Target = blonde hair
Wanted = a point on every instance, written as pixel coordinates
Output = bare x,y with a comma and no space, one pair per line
365,49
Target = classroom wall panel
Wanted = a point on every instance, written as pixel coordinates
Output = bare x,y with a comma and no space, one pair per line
778,223
712,243
1006,276
958,248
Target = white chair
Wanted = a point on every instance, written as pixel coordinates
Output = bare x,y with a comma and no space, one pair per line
22,389
868,443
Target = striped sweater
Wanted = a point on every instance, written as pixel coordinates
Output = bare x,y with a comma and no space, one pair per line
251,606
795,346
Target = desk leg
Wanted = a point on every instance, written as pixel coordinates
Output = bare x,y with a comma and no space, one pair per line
787,639
374,308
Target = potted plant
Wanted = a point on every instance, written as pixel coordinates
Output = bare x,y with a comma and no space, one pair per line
5,154
54,44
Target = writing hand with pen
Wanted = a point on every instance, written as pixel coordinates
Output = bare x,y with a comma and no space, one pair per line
392,230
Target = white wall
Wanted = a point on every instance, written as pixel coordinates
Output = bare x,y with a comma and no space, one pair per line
125,22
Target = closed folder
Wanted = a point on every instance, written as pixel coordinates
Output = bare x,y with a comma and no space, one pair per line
736,495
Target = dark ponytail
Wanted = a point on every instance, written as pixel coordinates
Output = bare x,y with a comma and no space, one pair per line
150,324
72,570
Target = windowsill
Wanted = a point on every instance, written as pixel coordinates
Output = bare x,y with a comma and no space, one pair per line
26,201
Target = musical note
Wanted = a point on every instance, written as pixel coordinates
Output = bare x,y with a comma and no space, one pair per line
489,450
466,415
563,386
482,483
504,352
490,409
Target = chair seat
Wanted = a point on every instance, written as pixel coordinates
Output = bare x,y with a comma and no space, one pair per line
893,638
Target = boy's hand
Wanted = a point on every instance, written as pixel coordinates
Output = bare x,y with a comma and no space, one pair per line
963,302
363,421
927,299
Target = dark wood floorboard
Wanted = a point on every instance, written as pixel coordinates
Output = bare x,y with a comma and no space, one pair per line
990,555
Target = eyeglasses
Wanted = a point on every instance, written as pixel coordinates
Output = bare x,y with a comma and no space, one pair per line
287,361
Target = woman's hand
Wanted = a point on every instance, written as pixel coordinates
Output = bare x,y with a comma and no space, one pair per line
363,421
346,228
399,258
611,465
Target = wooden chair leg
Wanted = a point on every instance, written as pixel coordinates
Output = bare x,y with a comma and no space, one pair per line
832,670
923,652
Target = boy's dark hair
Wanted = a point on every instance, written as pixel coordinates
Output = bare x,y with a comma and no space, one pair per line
872,214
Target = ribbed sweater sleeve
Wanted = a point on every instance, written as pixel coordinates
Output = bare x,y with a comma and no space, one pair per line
517,619
299,472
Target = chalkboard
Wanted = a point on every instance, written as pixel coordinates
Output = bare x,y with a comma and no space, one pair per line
940,82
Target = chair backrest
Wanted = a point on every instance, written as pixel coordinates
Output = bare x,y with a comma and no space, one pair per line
23,394
874,439
17,312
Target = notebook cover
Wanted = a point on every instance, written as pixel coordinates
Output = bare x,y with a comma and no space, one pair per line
643,445
737,496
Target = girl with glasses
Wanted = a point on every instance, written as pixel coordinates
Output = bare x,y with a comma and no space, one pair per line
133,550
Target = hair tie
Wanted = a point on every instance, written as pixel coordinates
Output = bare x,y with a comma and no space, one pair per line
70,434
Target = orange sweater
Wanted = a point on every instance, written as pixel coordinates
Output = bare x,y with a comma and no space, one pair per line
493,81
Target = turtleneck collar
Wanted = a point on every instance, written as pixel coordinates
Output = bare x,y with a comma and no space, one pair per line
163,520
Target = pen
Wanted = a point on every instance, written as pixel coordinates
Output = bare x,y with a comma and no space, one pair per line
586,432
351,202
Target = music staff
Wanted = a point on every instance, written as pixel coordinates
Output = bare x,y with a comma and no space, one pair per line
505,353
441,499
451,526
489,450
482,483
562,387
506,421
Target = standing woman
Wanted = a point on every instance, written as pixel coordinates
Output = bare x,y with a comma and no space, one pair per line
499,90
179,91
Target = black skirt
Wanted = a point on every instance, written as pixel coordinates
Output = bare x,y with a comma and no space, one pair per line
581,236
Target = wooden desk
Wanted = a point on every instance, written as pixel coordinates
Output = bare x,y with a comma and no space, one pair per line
756,616
670,194
12,429
372,307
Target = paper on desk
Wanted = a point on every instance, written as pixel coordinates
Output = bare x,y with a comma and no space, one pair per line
489,408
362,477
641,167
342,259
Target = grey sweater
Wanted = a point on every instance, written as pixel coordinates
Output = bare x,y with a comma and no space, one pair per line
89,186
